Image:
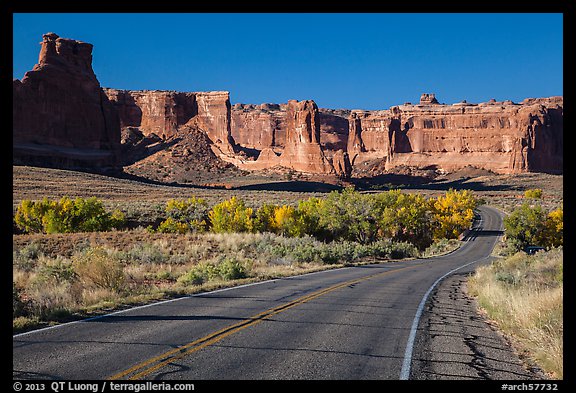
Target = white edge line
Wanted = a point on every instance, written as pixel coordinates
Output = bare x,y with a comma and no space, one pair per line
168,301
407,363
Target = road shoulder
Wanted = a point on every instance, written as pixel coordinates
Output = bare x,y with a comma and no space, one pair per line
455,342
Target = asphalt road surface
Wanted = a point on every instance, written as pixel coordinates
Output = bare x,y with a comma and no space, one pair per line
351,323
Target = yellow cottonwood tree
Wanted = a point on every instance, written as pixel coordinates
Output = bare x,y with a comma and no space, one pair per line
453,213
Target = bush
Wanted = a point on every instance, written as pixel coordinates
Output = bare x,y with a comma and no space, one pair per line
66,216
231,269
533,193
170,225
26,257
191,212
146,253
531,225
224,268
18,304
95,267
231,216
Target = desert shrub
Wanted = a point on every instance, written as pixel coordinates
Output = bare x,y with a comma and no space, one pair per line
441,246
66,215
60,269
18,305
230,268
533,193
146,253
523,294
185,215
194,276
223,268
231,216
95,267
26,257
170,225
48,296
393,249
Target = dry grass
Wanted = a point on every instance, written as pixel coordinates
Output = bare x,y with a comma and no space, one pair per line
63,276
524,296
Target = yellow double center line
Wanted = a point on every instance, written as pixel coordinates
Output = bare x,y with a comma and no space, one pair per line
147,367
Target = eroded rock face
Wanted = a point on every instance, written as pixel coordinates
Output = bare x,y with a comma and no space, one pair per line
162,113
302,151
499,136
259,126
61,117
152,111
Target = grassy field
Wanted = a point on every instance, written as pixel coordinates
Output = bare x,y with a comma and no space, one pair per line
523,295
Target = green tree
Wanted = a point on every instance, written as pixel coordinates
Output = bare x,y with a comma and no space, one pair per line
405,217
263,219
308,218
231,216
552,234
348,215
525,226
66,215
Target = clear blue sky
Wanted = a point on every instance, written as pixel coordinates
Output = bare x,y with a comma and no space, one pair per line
354,61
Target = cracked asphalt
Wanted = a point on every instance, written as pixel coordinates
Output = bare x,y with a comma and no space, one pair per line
455,342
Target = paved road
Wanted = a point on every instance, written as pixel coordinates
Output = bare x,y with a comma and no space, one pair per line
352,323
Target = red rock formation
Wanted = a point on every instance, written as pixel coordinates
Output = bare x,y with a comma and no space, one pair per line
153,112
164,112
302,151
214,118
261,126
428,99
341,164
258,126
500,136
60,116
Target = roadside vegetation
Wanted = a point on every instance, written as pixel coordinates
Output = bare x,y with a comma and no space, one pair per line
522,293
77,259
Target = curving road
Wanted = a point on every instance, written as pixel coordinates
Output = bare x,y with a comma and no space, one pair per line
352,323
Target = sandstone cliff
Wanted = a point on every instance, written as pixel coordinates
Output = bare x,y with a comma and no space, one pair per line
264,126
163,112
503,137
302,151
60,115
